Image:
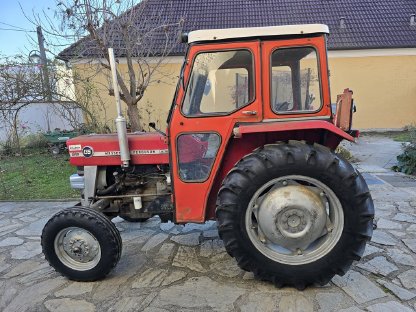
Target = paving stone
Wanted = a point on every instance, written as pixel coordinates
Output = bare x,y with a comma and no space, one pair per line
186,258
411,228
155,241
248,276
206,249
4,230
25,267
383,238
378,265
370,249
38,276
401,257
329,301
175,231
165,252
191,239
384,206
351,309
75,289
133,304
69,305
29,297
150,278
295,303
7,295
353,283
137,236
227,268
152,223
28,219
174,277
153,309
11,241
210,233
28,212
199,293
166,227
405,217
398,234
408,279
401,293
259,302
410,243
33,229
195,226
390,306
387,224
26,251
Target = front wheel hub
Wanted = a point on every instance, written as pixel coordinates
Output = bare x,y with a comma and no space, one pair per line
292,216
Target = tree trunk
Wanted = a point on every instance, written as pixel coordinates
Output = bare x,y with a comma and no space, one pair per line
133,114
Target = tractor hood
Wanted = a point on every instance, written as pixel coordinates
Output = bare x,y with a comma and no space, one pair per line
103,149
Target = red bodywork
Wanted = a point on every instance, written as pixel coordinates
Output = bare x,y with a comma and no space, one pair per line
145,148
240,133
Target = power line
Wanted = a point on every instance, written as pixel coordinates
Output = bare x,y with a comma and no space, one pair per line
18,28
10,25
21,30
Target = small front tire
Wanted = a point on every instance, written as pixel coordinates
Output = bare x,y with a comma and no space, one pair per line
81,244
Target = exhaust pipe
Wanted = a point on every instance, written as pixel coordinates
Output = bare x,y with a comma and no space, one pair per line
120,120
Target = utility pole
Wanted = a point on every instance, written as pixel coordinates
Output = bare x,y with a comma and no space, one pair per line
44,63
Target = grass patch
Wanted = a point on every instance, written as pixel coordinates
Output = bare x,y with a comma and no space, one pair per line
36,175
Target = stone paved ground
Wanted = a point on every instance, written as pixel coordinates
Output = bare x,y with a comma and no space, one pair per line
167,267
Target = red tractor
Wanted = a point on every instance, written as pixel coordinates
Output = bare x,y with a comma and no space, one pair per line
250,143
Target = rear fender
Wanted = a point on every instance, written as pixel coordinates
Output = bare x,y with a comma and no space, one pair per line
248,137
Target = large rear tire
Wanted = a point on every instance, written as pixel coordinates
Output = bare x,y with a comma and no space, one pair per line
294,214
81,244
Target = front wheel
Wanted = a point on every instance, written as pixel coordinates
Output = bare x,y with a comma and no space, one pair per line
81,244
294,214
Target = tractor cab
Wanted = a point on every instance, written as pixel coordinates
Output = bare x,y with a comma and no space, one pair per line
250,143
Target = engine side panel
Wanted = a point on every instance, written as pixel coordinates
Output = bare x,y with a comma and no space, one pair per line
103,149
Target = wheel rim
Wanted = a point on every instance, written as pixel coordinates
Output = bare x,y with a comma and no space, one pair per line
77,248
294,220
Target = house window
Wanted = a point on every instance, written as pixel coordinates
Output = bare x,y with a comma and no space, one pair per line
295,85
220,83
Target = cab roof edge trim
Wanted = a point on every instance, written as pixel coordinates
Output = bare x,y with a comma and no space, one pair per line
229,33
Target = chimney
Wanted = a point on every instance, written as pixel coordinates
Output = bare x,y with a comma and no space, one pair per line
412,20
342,23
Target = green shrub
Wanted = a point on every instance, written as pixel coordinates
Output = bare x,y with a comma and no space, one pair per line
345,153
37,140
407,160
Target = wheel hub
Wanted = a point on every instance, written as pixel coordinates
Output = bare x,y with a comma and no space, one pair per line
80,245
292,216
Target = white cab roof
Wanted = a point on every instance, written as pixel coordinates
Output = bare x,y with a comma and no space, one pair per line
229,33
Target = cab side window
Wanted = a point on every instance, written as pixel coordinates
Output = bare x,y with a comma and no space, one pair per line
295,85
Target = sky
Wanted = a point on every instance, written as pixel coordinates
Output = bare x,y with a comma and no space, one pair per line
16,41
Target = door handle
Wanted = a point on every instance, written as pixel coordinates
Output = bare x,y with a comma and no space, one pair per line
250,113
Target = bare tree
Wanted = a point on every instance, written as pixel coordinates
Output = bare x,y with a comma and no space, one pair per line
140,34
21,85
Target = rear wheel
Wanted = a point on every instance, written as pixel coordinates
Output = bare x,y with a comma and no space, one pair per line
81,243
295,214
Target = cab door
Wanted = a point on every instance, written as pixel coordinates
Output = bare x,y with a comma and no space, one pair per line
219,89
